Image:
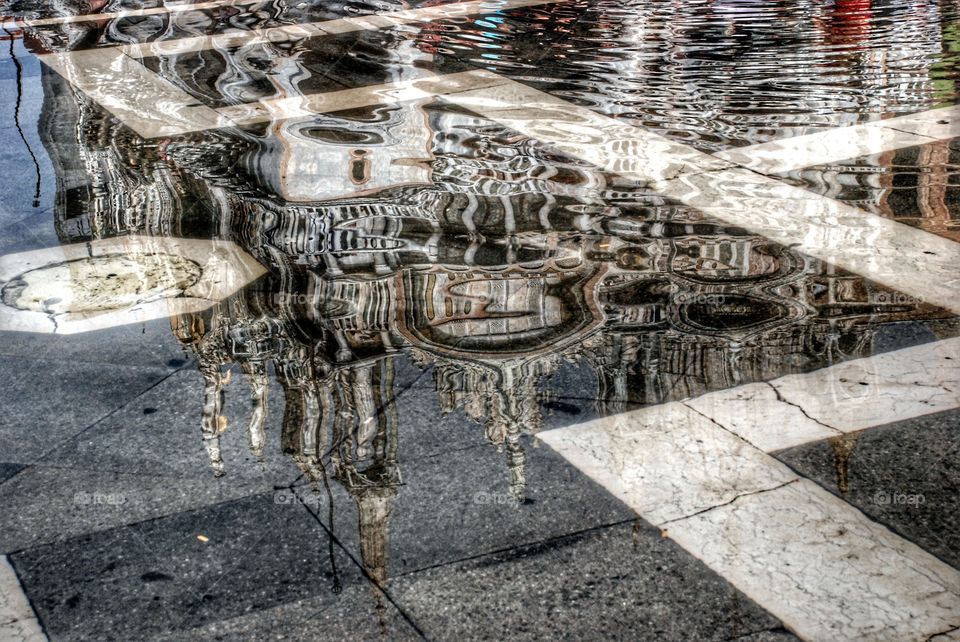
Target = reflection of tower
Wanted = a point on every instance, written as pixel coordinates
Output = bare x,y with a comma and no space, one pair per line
354,407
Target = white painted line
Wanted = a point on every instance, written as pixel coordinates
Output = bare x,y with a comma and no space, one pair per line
110,282
18,622
847,143
668,461
902,257
130,13
808,557
286,33
148,104
848,397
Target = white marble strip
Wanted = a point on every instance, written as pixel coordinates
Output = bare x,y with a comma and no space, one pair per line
18,622
904,258
130,13
418,88
150,105
907,259
823,567
811,559
63,274
285,33
847,143
848,397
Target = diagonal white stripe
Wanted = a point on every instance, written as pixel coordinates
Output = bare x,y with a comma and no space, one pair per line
805,555
848,397
847,143
18,622
148,104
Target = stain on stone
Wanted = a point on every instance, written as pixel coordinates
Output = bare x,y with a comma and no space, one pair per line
155,576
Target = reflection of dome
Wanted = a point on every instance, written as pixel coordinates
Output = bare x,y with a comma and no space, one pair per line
731,313
511,313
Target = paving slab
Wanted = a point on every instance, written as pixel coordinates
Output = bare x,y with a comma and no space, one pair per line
185,571
602,584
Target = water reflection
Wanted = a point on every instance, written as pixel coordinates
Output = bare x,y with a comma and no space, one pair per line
420,230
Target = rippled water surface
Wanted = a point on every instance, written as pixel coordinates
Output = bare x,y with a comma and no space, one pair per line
382,248
421,228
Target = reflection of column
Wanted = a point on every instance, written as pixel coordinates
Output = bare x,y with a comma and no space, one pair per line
256,375
618,353
212,422
915,185
203,334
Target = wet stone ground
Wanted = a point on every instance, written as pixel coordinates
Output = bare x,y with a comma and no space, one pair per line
538,319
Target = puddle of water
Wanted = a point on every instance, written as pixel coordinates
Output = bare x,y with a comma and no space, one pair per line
420,227
421,231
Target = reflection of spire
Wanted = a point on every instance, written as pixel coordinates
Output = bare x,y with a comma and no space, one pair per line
206,342
213,423
256,375
364,455
503,397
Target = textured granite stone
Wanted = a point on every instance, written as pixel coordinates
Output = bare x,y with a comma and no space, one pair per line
50,401
905,475
187,571
603,584
44,504
459,504
9,470
160,434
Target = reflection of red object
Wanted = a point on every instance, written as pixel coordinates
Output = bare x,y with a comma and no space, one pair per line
430,38
850,21
34,45
10,31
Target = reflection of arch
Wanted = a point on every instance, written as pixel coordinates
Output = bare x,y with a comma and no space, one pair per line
740,315
484,316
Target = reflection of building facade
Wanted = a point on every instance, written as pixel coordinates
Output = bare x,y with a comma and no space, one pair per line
422,229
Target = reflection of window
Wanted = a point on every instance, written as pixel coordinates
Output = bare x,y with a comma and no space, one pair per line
359,167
